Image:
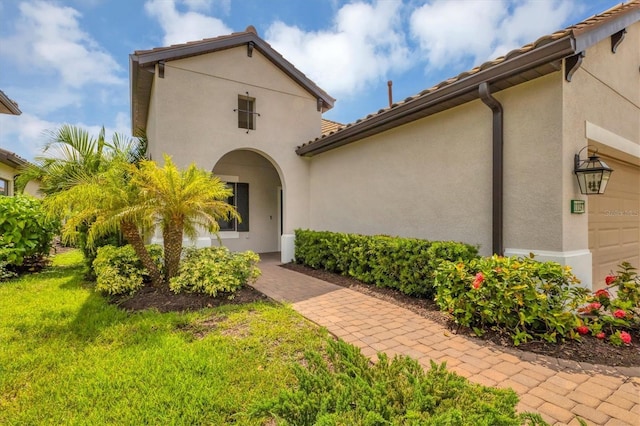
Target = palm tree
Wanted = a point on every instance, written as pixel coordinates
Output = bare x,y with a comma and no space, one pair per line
180,202
99,205
130,197
72,154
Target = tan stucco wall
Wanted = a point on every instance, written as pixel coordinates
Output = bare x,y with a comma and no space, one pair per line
193,118
7,172
605,91
432,178
429,179
533,202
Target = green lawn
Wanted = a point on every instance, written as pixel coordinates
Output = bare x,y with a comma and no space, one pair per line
68,357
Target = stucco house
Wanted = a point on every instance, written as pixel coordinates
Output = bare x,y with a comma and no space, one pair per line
486,157
10,163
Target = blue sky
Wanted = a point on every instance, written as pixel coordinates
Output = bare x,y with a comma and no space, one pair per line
67,61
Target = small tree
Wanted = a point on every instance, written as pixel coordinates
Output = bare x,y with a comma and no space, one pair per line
71,156
180,202
133,197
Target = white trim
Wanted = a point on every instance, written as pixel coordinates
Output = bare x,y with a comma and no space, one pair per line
604,136
579,261
288,245
229,235
228,178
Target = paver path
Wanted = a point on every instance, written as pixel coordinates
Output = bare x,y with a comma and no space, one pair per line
558,389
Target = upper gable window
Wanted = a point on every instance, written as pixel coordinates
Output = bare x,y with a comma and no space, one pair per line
246,113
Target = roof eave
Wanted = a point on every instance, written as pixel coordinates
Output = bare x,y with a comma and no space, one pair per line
548,53
10,106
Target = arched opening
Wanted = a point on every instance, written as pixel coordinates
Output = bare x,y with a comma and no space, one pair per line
258,191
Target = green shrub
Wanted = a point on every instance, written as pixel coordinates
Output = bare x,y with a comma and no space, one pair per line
520,296
347,389
613,312
119,271
25,233
214,270
405,264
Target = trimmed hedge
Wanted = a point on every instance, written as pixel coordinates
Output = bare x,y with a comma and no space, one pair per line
405,264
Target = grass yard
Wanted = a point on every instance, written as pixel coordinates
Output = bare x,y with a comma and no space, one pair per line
69,357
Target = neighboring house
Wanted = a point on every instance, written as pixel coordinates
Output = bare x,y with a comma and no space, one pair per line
10,165
431,166
10,162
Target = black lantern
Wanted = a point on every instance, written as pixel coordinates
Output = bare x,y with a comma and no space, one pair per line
593,174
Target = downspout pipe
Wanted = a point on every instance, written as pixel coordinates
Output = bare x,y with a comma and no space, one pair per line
498,168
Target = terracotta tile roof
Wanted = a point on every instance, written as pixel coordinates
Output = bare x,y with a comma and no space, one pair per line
8,106
11,159
329,126
575,36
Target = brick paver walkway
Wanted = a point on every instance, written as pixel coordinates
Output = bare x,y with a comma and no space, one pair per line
558,389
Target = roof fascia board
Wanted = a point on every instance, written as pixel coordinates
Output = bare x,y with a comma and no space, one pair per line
178,52
548,53
591,36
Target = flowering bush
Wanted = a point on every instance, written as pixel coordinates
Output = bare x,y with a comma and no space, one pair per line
615,311
520,296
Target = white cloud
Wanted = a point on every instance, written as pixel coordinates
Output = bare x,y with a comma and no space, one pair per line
365,43
49,38
530,20
180,27
453,32
26,134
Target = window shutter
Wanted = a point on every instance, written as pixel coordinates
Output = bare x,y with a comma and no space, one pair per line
242,204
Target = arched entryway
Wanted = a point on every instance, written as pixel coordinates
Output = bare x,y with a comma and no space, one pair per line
258,192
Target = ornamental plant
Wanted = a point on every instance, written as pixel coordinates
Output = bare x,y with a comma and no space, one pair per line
213,270
25,235
521,297
613,312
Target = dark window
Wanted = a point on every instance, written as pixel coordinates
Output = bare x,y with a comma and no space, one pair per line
246,113
4,187
240,200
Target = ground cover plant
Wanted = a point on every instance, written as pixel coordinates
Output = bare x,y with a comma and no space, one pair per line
69,357
344,388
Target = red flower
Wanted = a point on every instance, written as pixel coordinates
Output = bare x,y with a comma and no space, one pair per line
583,329
594,306
602,293
625,337
479,279
619,313
601,335
609,279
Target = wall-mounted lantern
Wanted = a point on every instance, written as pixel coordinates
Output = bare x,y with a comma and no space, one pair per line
593,174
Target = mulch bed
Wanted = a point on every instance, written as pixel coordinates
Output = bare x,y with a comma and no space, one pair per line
164,300
589,350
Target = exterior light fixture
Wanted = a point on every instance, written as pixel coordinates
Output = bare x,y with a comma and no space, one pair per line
593,174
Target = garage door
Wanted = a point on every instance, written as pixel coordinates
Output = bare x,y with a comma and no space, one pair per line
614,221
